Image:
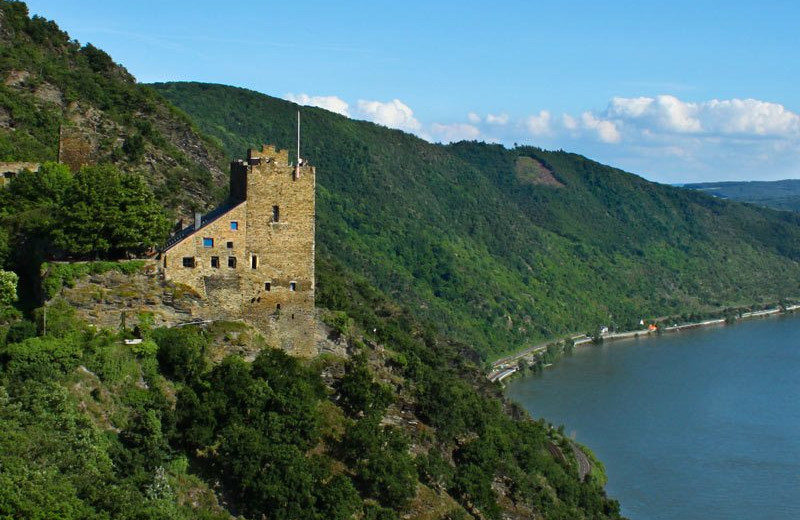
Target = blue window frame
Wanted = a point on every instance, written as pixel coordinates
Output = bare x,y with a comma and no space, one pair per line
234,225
208,242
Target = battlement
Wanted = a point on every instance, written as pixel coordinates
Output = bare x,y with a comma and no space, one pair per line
268,153
250,174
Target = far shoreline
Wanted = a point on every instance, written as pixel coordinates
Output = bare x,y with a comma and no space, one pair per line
508,366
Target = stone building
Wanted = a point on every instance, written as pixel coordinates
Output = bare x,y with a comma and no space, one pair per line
253,257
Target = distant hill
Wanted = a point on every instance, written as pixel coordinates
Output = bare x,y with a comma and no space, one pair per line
783,194
53,90
500,248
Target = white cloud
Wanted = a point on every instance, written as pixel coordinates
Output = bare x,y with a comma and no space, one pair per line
394,114
454,132
473,118
606,130
539,124
663,112
332,103
497,120
750,116
569,122
731,116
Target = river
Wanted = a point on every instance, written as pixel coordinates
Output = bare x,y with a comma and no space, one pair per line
702,424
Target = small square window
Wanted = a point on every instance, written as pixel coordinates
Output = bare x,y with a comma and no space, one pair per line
232,261
208,242
188,261
215,262
267,286
292,286
229,245
234,225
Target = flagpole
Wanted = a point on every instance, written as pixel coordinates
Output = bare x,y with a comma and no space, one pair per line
297,171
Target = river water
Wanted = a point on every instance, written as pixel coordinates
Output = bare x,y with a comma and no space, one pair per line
702,424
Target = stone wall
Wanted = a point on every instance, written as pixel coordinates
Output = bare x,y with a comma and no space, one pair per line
77,147
256,261
9,170
107,300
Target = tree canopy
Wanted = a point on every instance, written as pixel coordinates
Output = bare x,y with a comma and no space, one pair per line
98,212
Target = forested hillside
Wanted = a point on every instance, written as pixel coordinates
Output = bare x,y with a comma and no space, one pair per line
430,258
138,422
53,89
499,247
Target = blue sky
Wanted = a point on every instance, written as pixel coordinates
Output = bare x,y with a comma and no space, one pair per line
673,91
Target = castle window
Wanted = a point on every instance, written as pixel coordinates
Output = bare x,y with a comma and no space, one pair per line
208,242
229,245
232,261
254,262
292,286
188,261
234,225
267,286
215,262
276,213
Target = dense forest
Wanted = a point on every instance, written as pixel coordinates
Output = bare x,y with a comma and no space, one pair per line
505,247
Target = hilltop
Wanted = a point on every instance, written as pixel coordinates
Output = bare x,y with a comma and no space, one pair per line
501,248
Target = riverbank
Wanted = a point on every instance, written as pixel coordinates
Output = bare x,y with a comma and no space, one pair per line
510,365
700,425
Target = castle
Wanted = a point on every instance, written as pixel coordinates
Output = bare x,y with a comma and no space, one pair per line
253,257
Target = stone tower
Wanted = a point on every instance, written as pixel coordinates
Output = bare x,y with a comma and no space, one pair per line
253,258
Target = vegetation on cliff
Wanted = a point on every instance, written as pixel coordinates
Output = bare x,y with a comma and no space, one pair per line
97,428
55,91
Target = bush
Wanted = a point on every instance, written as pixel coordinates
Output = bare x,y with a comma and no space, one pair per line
181,353
20,331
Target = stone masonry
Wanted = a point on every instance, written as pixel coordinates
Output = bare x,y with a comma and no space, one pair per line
9,170
254,256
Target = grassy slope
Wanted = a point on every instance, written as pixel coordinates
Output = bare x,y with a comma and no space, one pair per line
495,259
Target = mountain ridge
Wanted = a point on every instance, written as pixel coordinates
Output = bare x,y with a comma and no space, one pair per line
783,194
499,261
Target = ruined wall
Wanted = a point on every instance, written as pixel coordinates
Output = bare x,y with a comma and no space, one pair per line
77,147
270,283
9,170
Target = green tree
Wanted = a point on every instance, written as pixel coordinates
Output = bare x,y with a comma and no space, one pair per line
109,213
8,287
5,249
